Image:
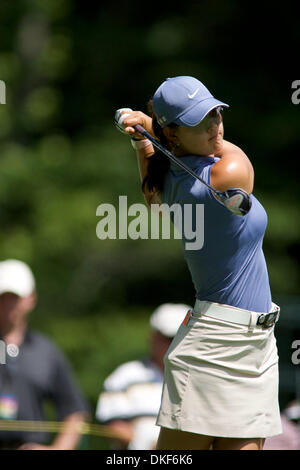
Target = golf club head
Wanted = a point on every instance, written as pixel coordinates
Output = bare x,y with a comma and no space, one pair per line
237,201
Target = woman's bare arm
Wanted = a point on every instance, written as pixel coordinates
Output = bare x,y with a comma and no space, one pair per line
143,154
233,170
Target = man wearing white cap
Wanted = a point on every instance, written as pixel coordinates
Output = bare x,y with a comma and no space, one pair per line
131,398
34,370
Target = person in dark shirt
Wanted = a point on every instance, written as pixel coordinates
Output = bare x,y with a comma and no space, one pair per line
35,370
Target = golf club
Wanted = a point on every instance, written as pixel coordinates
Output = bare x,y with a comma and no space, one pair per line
236,200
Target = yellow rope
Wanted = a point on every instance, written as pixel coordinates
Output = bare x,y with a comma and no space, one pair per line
57,426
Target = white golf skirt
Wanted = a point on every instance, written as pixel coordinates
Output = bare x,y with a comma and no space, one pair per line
221,379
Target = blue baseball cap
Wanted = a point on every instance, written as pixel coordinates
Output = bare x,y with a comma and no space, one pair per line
184,101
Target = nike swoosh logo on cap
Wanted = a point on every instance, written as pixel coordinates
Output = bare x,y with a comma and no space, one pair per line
194,94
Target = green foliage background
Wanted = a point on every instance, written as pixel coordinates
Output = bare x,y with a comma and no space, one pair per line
67,66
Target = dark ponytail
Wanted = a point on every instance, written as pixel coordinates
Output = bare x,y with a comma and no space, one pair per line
159,163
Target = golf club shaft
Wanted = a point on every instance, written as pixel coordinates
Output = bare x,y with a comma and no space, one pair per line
172,157
236,200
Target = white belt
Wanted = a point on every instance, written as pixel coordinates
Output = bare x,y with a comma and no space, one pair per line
236,315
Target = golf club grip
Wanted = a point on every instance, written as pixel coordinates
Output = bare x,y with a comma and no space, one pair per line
143,131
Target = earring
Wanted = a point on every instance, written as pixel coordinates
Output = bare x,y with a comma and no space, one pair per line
175,145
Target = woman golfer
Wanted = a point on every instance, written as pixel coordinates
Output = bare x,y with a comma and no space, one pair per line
221,370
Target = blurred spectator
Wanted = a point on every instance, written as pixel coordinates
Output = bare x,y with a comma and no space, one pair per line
35,370
290,437
131,398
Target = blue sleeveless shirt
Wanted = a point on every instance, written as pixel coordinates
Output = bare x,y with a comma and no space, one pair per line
230,267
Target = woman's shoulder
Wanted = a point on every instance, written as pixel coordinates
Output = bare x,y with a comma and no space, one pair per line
233,170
